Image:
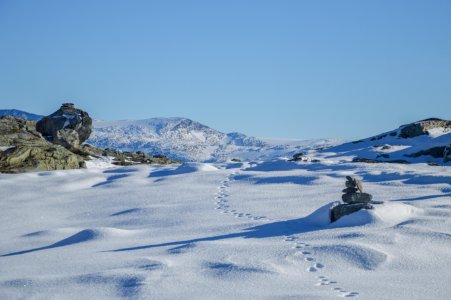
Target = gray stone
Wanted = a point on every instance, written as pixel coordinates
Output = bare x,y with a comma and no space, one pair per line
358,184
68,138
126,158
350,184
66,118
28,151
23,149
357,198
298,156
338,211
350,190
354,183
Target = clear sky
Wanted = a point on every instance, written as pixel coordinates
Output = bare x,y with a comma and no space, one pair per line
299,69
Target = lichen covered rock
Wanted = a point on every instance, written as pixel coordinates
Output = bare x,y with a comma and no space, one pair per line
22,149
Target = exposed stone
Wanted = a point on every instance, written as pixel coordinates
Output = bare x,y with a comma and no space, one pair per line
340,210
353,183
350,184
436,152
375,161
28,151
63,126
23,149
354,199
298,156
68,138
357,198
422,127
350,190
126,158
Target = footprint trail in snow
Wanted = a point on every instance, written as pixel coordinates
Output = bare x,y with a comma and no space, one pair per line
305,250
222,202
302,249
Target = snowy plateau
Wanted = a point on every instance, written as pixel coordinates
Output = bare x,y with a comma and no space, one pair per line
217,229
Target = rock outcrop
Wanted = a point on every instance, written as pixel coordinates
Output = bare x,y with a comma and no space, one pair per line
68,126
22,149
126,158
422,127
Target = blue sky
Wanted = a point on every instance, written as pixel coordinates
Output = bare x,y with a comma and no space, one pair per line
298,69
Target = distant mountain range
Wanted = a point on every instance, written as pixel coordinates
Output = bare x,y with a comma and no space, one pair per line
187,140
181,139
19,114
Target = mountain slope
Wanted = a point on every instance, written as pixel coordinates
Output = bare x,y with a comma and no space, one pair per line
421,141
179,138
19,114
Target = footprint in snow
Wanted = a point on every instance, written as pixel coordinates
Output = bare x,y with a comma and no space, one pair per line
319,266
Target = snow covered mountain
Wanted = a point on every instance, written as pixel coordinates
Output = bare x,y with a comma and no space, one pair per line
184,139
179,138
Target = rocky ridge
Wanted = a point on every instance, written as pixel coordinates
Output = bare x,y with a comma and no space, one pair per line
23,148
422,141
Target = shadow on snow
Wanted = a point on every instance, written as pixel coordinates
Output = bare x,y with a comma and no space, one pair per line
318,220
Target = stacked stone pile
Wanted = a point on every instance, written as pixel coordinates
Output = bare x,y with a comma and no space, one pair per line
354,200
353,193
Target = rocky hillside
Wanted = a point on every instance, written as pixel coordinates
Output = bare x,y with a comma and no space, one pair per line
178,138
23,149
53,143
421,141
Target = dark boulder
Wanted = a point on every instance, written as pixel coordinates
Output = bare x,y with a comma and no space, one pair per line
340,210
298,156
356,198
68,126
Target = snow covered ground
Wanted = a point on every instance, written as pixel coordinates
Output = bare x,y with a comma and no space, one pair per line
225,231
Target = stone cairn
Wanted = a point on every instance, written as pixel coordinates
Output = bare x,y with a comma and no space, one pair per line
354,200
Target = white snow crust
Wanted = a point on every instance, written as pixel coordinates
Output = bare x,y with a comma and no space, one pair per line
252,230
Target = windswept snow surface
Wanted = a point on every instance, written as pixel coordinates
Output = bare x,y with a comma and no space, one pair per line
255,230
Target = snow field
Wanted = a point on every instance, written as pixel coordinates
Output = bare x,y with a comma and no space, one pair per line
225,231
